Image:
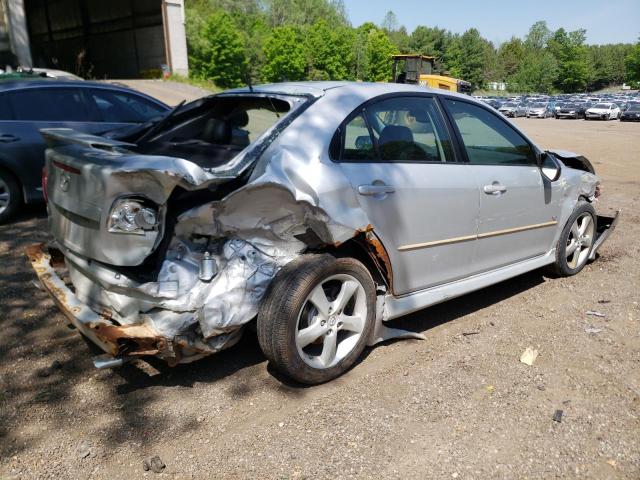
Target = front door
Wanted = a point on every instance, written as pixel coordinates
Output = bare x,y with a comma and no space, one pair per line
398,156
518,209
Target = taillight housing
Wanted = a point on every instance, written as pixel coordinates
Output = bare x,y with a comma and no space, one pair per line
132,215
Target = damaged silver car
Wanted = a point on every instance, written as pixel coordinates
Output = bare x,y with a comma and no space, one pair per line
317,211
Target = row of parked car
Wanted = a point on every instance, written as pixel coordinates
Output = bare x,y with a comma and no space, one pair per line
606,107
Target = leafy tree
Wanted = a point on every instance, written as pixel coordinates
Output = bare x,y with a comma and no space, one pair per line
328,51
431,41
468,57
305,12
538,36
509,57
571,55
536,73
218,54
372,52
632,64
285,56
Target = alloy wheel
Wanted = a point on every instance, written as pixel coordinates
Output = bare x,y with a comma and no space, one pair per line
331,321
579,241
5,196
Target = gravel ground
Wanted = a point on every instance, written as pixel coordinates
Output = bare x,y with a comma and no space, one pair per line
453,406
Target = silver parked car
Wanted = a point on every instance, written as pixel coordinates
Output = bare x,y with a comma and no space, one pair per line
513,109
322,210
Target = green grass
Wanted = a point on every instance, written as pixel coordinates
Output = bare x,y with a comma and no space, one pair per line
196,82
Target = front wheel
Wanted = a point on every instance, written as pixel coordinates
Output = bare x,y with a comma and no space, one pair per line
576,241
317,316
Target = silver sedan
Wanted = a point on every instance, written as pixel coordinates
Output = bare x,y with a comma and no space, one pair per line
318,210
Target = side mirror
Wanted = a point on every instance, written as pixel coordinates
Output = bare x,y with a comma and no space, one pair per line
549,167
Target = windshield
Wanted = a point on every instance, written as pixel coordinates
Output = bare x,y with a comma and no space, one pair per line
510,104
539,105
634,107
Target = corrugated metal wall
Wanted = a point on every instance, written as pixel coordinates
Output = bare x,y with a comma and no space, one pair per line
97,38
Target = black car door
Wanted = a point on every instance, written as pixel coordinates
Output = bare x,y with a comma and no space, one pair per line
32,109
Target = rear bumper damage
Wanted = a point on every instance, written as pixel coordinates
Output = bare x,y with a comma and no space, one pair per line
119,340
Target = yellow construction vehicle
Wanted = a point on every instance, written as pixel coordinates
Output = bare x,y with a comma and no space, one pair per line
420,69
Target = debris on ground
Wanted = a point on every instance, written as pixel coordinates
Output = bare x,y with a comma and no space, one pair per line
557,416
595,314
529,356
466,334
593,330
155,464
604,301
84,449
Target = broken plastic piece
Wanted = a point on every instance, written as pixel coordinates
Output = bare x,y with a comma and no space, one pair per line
557,416
529,356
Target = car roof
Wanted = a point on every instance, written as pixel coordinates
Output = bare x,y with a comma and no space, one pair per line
13,84
318,88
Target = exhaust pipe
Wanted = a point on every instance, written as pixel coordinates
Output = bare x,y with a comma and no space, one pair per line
107,361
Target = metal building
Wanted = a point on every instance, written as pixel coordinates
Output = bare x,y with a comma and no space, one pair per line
95,38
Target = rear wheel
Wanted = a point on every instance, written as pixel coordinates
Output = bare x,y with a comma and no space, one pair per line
10,195
576,241
315,320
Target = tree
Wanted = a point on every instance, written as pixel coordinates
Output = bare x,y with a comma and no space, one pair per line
390,22
468,57
536,73
372,54
285,57
328,51
538,36
431,41
509,57
218,54
305,12
632,64
572,58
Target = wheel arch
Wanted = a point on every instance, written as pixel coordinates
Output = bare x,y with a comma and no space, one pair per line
9,168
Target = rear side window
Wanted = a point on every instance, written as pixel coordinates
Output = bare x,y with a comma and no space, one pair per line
5,110
487,138
49,104
398,129
124,107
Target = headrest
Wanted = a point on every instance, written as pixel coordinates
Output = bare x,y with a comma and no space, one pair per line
217,131
239,119
395,133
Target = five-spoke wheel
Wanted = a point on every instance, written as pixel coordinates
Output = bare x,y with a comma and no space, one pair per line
576,241
317,316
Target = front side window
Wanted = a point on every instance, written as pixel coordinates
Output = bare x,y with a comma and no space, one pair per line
399,129
487,139
124,107
49,105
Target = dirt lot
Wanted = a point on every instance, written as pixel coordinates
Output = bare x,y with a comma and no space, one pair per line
453,406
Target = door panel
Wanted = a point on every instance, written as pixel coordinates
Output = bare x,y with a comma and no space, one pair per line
397,155
518,210
516,223
430,203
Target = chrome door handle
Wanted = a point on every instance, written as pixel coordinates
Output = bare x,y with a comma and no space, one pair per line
494,189
375,189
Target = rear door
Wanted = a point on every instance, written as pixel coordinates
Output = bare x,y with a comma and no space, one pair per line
518,207
398,155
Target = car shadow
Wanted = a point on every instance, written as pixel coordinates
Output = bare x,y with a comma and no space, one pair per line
247,352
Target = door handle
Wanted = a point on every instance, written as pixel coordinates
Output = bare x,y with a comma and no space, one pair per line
494,189
8,138
375,189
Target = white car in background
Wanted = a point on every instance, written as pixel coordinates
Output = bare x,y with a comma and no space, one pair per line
603,111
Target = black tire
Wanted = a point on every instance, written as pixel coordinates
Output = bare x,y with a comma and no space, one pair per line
9,186
286,298
561,267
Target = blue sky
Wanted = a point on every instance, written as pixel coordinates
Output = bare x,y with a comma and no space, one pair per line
606,21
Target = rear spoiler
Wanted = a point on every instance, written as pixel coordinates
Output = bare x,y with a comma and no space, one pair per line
65,136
